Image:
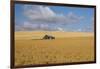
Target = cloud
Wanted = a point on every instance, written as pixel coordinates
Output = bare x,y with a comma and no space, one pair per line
32,27
35,12
74,18
41,17
60,29
43,14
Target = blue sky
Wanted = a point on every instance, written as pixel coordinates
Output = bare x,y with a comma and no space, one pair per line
53,18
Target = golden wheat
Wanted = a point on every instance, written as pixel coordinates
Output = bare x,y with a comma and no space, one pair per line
66,48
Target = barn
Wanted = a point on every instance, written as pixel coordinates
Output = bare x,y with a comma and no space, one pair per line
48,37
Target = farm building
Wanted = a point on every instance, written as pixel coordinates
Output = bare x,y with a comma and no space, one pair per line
48,37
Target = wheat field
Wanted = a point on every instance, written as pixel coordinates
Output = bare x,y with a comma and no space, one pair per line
67,47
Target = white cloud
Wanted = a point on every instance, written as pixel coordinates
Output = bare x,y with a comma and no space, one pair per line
74,18
40,17
79,30
60,29
44,14
38,12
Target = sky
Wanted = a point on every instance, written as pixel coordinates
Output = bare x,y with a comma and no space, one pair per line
53,18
